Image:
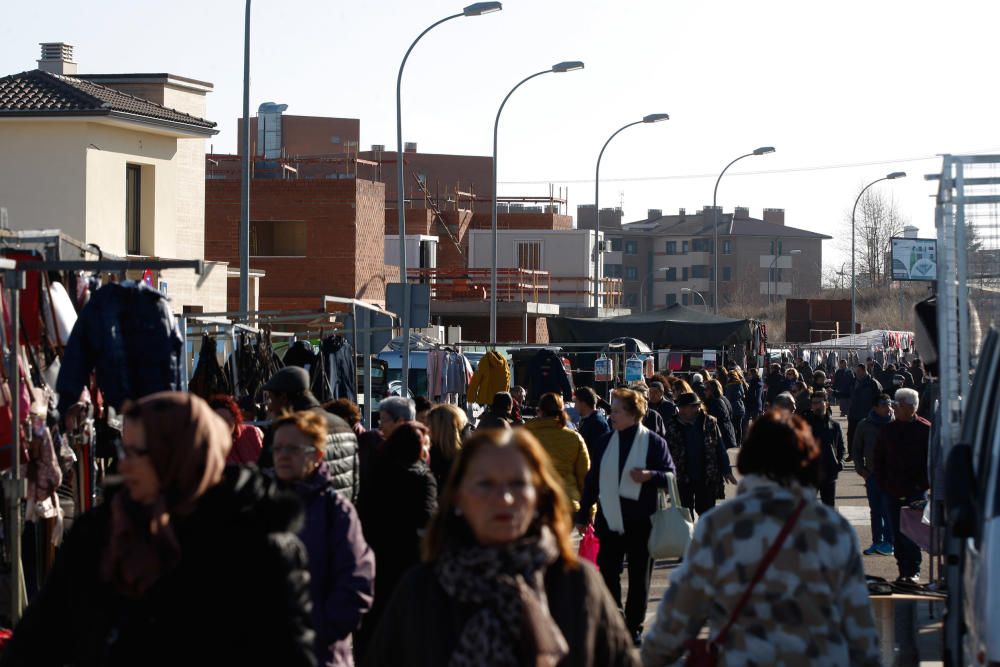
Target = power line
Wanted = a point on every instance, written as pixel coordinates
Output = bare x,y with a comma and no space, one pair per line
786,170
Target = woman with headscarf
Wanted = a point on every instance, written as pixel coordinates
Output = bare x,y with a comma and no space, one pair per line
501,583
190,563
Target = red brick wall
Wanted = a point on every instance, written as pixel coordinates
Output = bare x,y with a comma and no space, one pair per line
509,329
307,135
449,257
523,221
344,230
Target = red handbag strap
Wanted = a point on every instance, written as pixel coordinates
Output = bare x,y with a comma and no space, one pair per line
769,557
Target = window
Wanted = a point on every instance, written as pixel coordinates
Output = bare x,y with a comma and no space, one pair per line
278,238
671,275
699,271
727,247
685,274
133,208
671,247
631,273
685,299
529,255
631,248
727,274
616,245
779,247
772,248
684,247
701,245
612,270
671,298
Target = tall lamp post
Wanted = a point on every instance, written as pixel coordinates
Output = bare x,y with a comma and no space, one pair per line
245,177
651,118
770,270
642,285
475,9
559,68
763,150
688,290
888,177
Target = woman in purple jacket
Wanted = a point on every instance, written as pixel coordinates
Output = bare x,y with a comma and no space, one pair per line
341,566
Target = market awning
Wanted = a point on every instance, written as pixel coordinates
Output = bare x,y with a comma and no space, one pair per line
676,326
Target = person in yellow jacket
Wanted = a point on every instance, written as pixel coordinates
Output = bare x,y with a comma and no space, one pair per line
564,446
492,375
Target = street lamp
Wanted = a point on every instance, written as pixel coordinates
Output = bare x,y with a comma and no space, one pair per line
558,68
763,150
688,290
770,270
651,118
475,9
888,177
642,285
245,177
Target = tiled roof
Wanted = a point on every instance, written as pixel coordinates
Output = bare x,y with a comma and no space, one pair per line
38,93
698,225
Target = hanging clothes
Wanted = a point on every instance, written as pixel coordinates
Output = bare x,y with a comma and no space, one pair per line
341,368
492,375
304,354
208,378
547,374
128,333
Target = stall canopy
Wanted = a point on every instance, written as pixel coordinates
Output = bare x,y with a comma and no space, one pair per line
676,327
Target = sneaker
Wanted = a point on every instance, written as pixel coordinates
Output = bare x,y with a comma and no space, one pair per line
884,549
872,550
908,581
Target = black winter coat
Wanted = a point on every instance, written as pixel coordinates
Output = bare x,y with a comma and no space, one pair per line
239,596
546,374
830,439
719,408
341,374
754,401
863,398
128,333
775,385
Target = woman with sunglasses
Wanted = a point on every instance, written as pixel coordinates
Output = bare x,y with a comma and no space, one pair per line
341,566
189,563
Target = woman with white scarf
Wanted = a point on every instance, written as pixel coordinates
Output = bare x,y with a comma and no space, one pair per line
629,468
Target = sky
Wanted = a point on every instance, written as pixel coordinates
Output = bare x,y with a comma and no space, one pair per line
846,92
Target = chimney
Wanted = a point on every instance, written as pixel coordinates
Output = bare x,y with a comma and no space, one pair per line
57,58
681,213
741,213
910,232
775,216
378,148
410,147
654,213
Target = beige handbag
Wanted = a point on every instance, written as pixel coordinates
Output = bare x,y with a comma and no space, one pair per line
672,526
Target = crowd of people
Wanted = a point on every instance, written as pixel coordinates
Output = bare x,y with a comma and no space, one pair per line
433,540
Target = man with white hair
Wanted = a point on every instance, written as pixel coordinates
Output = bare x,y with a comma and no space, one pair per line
901,469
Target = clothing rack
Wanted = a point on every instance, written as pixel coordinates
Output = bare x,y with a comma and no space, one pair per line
16,487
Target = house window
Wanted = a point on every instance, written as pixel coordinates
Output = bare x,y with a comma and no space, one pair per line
727,247
701,245
772,248
133,208
685,274
671,275
727,274
529,255
699,271
616,245
779,247
612,270
671,298
631,248
631,273
685,299
671,247
278,238
684,247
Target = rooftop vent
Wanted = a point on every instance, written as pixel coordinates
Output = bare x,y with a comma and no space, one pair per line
57,58
654,213
410,147
378,148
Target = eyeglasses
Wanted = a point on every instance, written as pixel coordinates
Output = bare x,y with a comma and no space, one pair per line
291,449
129,452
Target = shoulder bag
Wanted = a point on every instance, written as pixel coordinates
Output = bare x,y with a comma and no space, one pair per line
672,526
705,652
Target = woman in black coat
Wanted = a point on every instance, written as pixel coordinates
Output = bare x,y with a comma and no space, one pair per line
394,515
717,406
188,564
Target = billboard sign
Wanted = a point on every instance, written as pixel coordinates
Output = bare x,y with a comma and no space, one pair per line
914,259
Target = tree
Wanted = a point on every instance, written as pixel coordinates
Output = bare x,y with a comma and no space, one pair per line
878,220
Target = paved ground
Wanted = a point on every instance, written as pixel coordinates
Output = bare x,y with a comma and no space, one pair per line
852,502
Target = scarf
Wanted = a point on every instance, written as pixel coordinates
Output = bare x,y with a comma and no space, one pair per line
881,421
187,444
614,485
506,587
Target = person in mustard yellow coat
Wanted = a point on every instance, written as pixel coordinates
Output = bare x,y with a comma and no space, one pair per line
492,375
565,447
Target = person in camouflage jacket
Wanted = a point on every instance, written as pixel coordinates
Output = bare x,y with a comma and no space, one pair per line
811,606
702,462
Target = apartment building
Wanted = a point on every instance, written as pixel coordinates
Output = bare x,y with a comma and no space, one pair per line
667,259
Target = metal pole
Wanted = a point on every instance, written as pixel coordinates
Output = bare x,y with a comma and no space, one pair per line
15,492
404,375
715,235
493,234
245,176
853,270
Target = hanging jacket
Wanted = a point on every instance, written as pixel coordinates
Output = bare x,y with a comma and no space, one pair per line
128,333
547,374
305,355
341,368
492,375
208,378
